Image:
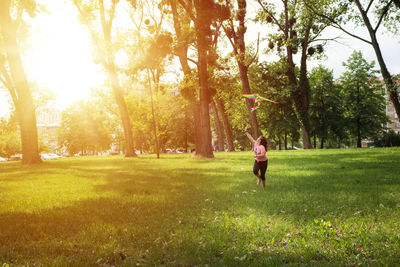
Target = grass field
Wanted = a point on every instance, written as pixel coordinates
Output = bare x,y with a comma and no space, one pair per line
321,207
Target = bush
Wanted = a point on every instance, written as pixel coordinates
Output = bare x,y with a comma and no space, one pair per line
388,139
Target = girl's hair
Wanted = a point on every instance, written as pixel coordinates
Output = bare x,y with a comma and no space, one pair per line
263,142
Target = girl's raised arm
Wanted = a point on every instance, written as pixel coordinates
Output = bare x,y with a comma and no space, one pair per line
249,135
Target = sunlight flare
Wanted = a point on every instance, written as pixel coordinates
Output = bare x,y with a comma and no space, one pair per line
59,57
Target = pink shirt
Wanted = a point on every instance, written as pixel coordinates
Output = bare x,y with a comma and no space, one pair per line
259,149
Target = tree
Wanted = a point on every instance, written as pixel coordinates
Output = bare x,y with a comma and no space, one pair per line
204,14
218,126
287,22
326,106
10,143
226,124
88,12
359,12
223,84
184,37
277,120
237,40
153,45
363,97
85,128
202,24
173,129
13,76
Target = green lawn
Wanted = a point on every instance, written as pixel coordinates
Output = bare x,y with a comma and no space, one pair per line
321,207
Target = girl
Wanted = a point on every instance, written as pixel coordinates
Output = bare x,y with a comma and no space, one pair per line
260,156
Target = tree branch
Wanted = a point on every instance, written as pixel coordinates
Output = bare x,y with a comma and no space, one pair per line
189,11
369,6
258,43
397,3
272,16
104,22
385,10
336,25
230,40
193,61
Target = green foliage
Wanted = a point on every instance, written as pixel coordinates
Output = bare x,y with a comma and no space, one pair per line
174,127
85,127
31,7
229,90
320,208
363,97
387,139
276,120
159,48
392,18
326,106
10,142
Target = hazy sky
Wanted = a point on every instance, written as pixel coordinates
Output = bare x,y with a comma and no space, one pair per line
61,62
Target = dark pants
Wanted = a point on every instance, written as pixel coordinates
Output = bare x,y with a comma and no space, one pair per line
260,167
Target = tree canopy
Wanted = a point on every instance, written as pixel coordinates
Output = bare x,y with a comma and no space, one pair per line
175,72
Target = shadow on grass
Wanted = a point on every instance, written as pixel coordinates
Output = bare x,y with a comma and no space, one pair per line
170,211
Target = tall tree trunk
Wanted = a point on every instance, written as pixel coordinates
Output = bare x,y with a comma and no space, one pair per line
186,131
227,125
387,77
303,95
358,120
358,133
299,91
196,125
280,142
20,92
113,76
315,139
238,43
202,30
123,110
219,126
243,68
183,59
286,140
153,117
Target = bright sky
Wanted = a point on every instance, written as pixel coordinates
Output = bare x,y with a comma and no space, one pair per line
59,56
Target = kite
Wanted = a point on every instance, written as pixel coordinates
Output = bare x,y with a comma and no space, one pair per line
257,100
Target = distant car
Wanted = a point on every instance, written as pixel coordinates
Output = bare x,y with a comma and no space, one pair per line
53,155
45,156
15,157
2,159
292,148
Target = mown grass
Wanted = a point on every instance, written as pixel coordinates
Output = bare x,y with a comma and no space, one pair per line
321,207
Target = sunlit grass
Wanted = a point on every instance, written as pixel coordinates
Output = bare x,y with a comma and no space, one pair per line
321,207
